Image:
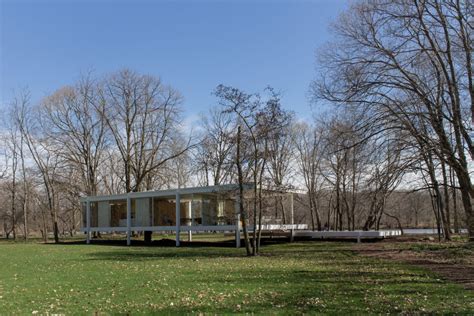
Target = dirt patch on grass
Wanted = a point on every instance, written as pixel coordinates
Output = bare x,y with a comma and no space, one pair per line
452,261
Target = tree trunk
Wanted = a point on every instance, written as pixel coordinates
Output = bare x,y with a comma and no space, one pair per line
260,200
398,221
259,237
255,194
467,194
447,227
311,210
316,212
283,213
435,206
242,212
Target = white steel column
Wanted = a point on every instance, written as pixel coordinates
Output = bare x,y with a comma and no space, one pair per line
129,220
190,233
292,210
192,210
88,221
237,223
178,217
152,210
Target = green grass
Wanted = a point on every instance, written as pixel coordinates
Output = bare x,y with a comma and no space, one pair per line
310,277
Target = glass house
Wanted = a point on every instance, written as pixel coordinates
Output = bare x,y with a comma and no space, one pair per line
198,209
212,208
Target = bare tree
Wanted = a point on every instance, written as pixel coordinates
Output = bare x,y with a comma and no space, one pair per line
407,62
179,168
388,169
215,151
262,120
281,157
345,161
142,114
26,187
308,144
44,155
111,176
12,145
244,106
73,121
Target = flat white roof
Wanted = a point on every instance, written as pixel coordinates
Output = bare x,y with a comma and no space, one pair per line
170,192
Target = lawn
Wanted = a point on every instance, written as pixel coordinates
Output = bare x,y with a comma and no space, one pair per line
306,277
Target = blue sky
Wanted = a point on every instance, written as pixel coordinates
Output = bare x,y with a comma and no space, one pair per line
191,45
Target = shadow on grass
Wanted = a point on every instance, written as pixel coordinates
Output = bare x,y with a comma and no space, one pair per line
230,243
139,255
155,243
166,248
167,242
343,256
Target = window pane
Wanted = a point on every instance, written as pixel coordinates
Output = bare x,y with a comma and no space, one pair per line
164,212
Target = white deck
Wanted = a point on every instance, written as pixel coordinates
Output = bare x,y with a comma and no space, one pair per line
357,234
284,226
162,228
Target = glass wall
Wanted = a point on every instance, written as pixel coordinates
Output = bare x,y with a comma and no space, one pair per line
196,219
118,213
212,210
94,214
164,212
226,212
209,212
202,210
84,214
141,212
185,210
